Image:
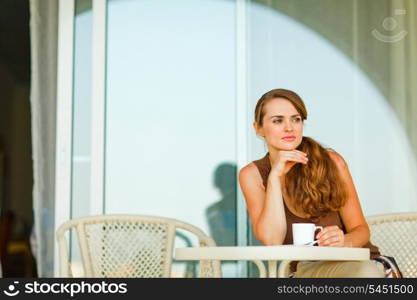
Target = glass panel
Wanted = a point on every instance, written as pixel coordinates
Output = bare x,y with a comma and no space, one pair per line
82,119
352,62
170,129
343,73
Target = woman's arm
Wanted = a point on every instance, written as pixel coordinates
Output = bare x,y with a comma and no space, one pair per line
351,213
266,207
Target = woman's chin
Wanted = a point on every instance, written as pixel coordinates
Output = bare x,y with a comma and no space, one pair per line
287,147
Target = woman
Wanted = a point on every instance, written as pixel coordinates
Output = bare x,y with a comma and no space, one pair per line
299,181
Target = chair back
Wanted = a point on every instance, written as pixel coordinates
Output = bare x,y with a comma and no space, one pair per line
396,235
128,246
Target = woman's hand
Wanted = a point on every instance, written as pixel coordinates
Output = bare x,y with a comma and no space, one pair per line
331,236
287,159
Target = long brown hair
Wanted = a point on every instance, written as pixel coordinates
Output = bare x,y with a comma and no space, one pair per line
317,187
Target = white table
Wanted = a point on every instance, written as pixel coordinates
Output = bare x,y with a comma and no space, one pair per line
272,254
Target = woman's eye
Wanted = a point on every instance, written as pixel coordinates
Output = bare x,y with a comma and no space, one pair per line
297,120
277,121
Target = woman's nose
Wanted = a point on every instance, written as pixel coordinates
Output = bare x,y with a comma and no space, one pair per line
288,126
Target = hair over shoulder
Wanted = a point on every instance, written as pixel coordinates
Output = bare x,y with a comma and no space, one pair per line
317,187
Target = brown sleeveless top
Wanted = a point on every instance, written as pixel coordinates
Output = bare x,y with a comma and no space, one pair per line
331,218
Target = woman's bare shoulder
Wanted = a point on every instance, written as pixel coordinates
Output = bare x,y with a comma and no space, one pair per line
250,171
337,158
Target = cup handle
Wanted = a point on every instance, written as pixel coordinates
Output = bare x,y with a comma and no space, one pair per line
315,228
318,227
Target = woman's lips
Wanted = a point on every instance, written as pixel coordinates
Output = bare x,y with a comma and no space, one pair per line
289,139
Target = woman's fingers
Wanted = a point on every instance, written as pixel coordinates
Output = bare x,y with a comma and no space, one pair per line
301,155
301,152
333,242
286,159
295,156
327,229
327,242
331,236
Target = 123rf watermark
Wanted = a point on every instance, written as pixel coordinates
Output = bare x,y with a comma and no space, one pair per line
390,24
72,289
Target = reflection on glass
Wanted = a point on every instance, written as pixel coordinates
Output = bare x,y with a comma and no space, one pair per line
170,117
221,215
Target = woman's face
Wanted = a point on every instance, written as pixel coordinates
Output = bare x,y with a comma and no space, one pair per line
282,125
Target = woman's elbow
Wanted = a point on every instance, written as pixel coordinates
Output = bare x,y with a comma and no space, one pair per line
269,239
367,232
272,242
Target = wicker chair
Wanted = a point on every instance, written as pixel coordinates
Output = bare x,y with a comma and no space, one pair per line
128,246
395,235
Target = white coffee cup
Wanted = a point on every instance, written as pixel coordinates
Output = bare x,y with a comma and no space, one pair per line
303,233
